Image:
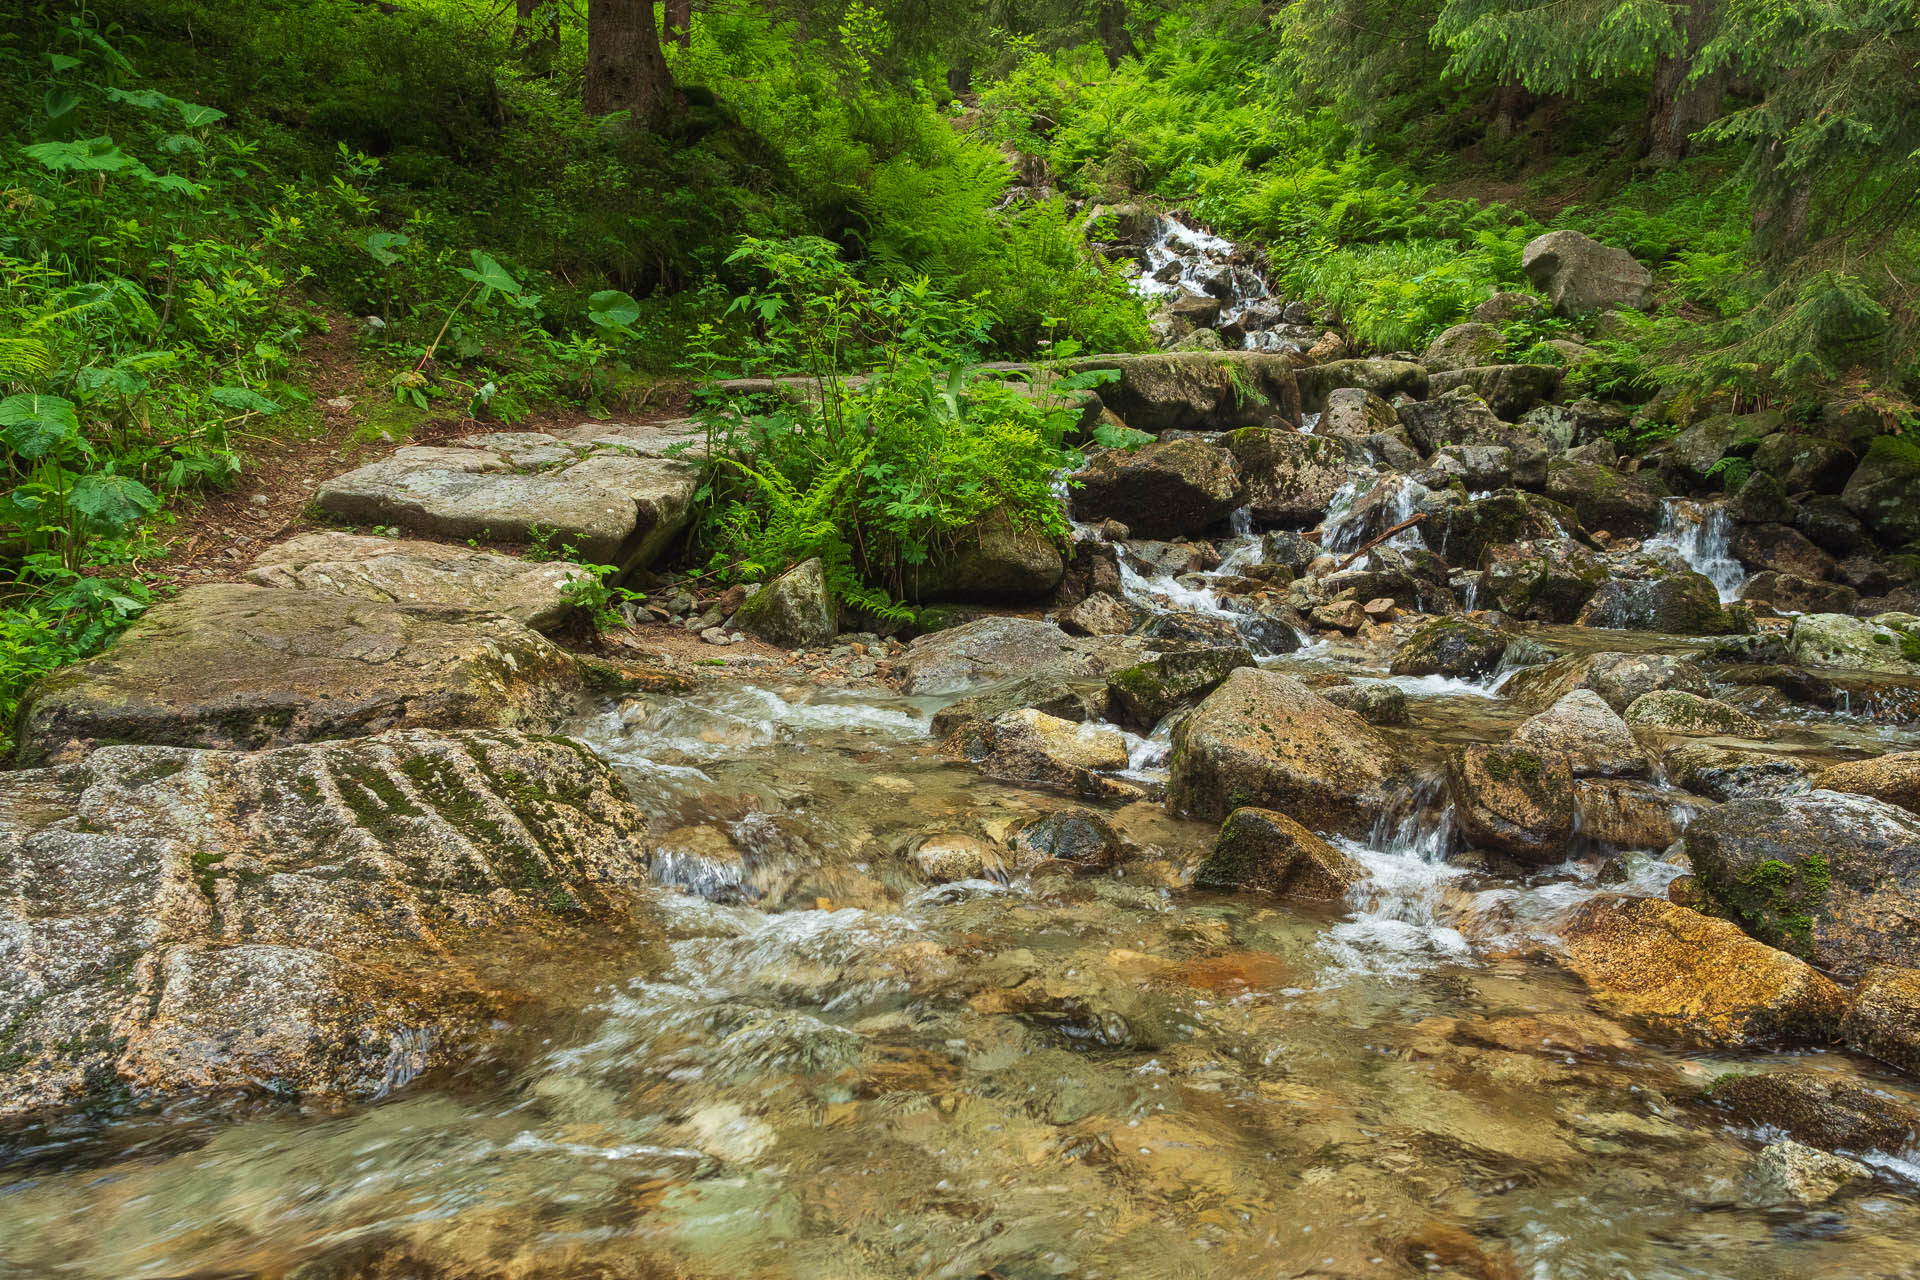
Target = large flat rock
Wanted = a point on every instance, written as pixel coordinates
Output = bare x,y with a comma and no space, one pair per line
318,921
407,571
605,496
236,665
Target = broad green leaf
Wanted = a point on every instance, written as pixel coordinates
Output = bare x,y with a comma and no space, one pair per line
59,101
242,398
145,99
62,61
35,426
1113,437
610,308
92,155
111,503
490,274
380,245
197,116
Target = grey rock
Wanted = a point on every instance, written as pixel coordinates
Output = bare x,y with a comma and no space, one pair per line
1594,739
1580,275
1172,488
794,611
1510,390
400,571
994,649
1463,346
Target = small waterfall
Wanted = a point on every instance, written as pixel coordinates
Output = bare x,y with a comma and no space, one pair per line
1698,532
1179,259
1399,921
1365,508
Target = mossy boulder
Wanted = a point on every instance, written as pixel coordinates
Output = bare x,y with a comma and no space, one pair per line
1451,647
1728,773
1031,748
324,921
1682,604
1466,533
240,666
1863,644
1509,389
1676,711
1805,464
1603,498
1463,346
1355,413
1264,850
1542,581
1513,799
1168,489
1791,594
1383,378
1828,876
1781,548
1580,275
1199,390
1694,452
1147,692
1884,490
1263,739
998,557
1289,476
795,611
1762,499
1695,978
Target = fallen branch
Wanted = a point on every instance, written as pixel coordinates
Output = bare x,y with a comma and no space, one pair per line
1403,525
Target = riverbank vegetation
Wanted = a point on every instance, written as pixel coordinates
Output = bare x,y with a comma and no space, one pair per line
513,209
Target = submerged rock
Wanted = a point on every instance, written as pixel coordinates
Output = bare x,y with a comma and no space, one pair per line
318,921
1794,1173
1696,978
404,571
231,665
1513,800
1168,489
1828,876
1268,851
1077,836
1264,739
1031,748
1824,1109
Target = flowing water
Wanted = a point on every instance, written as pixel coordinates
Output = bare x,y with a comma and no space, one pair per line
1698,532
841,1071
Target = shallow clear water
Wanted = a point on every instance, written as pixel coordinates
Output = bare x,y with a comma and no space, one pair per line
843,1071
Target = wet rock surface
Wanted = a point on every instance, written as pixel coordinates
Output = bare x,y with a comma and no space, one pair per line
323,921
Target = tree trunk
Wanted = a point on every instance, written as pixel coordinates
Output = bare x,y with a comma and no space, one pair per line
1782,206
1511,102
1110,24
537,36
679,22
1678,108
626,71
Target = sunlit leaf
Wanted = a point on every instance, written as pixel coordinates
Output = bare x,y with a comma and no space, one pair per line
59,101
380,246
111,503
34,426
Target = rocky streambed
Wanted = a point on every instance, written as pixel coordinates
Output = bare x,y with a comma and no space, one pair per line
1397,836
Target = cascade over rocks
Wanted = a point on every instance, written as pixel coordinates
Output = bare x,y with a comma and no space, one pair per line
1828,876
1166,489
241,666
324,921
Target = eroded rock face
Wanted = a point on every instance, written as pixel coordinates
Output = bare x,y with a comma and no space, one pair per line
1834,878
1169,489
610,505
1580,275
231,665
1265,740
1884,491
1268,851
1695,978
404,571
1618,678
1864,644
1724,773
323,921
1513,800
1031,748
